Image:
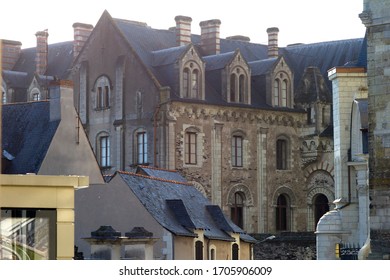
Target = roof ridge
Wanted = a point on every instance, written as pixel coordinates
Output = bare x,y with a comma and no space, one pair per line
154,178
157,168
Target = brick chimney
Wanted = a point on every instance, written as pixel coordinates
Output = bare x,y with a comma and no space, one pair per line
81,33
183,30
10,53
209,36
273,49
41,58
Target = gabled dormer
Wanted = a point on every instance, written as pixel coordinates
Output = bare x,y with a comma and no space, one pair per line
281,88
192,75
237,78
37,89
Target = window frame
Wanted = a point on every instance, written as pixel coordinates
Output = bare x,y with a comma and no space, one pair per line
282,154
104,150
141,147
192,81
190,147
102,93
281,214
281,91
238,88
237,152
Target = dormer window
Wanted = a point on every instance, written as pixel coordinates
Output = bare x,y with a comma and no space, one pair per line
238,86
191,81
281,91
35,95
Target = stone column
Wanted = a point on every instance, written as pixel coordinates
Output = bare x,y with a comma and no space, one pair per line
262,179
363,198
216,173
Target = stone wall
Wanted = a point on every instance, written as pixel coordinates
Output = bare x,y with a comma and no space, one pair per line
286,246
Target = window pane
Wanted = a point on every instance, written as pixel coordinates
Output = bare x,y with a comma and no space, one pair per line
276,92
241,89
28,234
142,148
281,154
237,152
106,97
186,77
104,151
284,93
190,148
233,88
195,84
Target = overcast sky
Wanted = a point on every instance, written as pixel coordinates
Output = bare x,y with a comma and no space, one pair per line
299,21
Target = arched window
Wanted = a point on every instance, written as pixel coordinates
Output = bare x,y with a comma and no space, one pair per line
235,251
35,95
191,87
281,212
103,94
241,89
237,209
238,86
103,150
284,94
212,254
198,250
233,88
276,92
321,206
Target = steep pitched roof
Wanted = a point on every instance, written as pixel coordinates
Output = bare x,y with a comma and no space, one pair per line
177,206
27,133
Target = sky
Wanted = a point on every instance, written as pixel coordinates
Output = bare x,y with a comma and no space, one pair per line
299,21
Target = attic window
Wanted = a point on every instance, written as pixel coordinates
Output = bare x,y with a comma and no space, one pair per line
281,92
103,92
191,81
238,86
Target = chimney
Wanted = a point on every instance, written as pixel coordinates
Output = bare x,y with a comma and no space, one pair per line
10,53
209,36
273,49
81,33
183,30
41,58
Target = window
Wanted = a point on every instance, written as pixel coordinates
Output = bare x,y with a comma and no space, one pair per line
190,148
281,154
29,234
212,254
235,251
102,93
237,209
198,250
281,213
364,140
238,87
142,147
191,81
104,151
281,92
321,205
237,151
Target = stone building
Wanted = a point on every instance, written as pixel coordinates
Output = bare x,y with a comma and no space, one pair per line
249,125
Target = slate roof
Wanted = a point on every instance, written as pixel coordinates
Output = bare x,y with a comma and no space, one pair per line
160,173
158,50
179,207
27,133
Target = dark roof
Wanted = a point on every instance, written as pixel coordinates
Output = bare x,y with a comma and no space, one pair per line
16,79
161,173
158,50
177,206
60,59
27,133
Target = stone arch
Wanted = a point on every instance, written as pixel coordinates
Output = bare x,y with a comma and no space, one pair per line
243,189
287,191
323,165
199,187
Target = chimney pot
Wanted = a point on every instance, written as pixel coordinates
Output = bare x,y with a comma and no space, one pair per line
273,49
183,30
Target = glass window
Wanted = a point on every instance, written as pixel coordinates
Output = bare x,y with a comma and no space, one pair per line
235,251
186,78
276,92
198,250
281,154
104,151
237,151
236,211
233,88
241,93
190,148
28,234
142,148
195,84
284,94
281,213
102,93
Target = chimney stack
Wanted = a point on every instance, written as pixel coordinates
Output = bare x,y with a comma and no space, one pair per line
183,30
273,49
81,33
209,36
10,53
41,58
